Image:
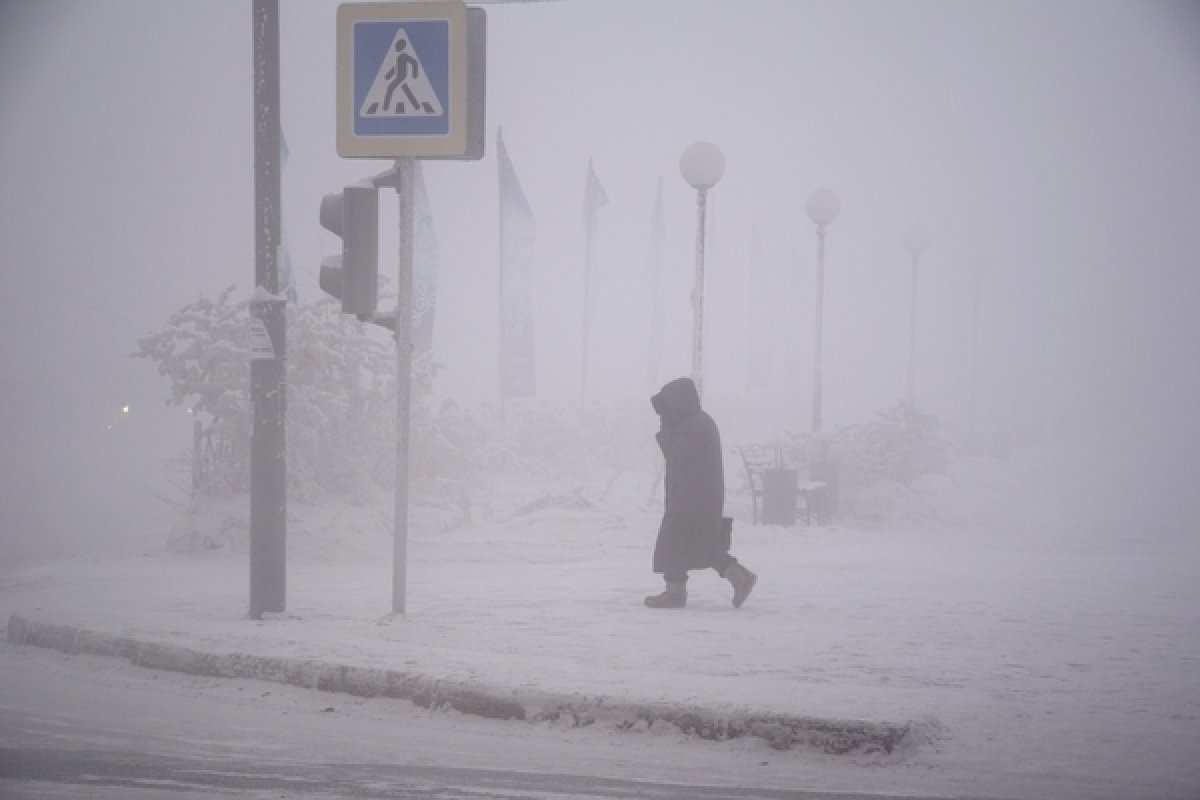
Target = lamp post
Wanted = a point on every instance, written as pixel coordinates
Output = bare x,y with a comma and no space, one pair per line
972,430
823,207
916,241
701,165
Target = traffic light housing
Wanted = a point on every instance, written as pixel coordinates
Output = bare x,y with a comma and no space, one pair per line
353,276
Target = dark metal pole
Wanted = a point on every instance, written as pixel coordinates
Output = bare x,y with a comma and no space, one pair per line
268,468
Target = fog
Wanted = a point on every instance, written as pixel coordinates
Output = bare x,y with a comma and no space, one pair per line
1049,149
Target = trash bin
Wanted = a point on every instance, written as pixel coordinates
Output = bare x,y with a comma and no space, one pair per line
780,488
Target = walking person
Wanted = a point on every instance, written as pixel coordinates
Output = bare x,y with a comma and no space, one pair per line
693,534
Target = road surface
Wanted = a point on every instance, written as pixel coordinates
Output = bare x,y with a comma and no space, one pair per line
83,726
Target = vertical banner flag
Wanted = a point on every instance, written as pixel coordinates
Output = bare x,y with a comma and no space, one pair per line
594,197
657,312
518,377
425,265
762,297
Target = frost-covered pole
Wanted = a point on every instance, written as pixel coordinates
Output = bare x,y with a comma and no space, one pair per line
698,293
912,335
822,207
976,278
268,468
588,256
701,165
819,333
405,197
915,242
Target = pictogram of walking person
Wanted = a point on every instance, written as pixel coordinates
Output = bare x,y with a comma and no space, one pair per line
397,78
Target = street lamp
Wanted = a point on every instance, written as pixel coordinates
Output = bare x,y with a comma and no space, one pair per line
823,207
916,241
701,165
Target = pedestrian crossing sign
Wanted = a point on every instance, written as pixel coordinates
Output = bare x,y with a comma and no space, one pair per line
402,79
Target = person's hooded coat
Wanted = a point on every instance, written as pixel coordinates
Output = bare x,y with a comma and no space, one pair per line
690,536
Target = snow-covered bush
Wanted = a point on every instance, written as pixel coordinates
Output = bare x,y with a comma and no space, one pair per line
341,416
341,413
900,445
341,408
204,354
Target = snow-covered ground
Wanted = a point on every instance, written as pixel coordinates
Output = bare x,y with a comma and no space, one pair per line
1044,645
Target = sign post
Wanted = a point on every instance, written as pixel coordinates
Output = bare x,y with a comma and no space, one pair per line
405,193
410,84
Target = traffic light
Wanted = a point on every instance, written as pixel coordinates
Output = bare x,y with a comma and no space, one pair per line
353,276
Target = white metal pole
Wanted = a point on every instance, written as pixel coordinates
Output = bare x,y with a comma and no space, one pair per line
973,420
818,368
587,305
405,193
912,336
698,294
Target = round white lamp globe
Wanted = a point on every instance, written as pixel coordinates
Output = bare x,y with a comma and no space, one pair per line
702,165
823,206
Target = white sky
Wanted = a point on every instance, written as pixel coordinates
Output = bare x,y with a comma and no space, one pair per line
1051,145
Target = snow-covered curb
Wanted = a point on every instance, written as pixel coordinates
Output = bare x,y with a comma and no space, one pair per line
782,732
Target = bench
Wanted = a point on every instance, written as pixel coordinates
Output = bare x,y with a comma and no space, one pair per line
773,477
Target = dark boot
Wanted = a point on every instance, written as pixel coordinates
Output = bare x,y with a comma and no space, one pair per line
674,596
743,581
